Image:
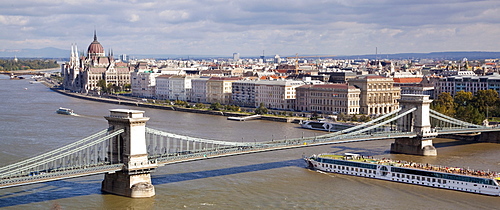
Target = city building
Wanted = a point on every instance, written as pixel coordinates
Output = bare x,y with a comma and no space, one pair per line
162,88
454,84
199,90
378,94
328,98
174,87
83,73
219,89
143,82
243,93
419,86
276,94
236,56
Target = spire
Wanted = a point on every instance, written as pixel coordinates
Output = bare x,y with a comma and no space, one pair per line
95,36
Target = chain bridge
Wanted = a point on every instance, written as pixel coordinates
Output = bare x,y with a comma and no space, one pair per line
128,151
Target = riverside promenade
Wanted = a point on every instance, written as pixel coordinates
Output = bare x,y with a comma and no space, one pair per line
131,101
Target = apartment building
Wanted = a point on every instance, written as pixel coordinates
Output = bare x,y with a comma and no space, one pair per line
243,93
199,90
219,89
328,98
277,94
143,83
454,84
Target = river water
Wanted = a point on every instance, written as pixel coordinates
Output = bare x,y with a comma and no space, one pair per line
271,180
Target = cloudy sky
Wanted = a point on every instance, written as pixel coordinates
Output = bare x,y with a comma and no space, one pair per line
285,27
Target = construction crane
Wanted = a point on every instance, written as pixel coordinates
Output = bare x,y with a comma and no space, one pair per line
311,56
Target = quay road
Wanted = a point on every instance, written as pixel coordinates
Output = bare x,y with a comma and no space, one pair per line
131,101
26,72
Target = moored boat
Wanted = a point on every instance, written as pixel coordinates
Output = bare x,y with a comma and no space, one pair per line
324,125
65,111
452,178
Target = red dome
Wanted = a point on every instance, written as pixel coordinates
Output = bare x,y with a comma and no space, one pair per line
95,47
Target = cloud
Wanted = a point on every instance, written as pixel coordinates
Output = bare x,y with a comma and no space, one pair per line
279,27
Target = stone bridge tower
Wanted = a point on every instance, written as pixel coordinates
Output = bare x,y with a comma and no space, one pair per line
419,122
130,149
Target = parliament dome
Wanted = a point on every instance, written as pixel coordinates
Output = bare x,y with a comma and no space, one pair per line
95,48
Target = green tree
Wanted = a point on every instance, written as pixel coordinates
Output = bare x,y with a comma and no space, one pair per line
216,106
180,103
232,108
200,106
470,114
102,85
109,88
127,87
463,98
261,109
444,104
342,117
484,99
364,118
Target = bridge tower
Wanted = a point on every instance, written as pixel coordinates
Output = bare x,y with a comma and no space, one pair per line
417,121
130,149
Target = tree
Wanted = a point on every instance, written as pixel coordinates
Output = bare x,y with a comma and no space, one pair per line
444,104
109,88
127,87
364,118
232,108
261,109
216,106
102,85
342,117
463,98
199,106
470,114
483,99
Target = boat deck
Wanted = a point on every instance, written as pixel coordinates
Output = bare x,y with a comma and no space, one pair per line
412,165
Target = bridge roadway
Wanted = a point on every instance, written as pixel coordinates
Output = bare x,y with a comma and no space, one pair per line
234,148
175,158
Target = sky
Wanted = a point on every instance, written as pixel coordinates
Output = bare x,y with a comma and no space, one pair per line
253,27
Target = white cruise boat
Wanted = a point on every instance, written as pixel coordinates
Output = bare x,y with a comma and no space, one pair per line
65,111
466,180
324,125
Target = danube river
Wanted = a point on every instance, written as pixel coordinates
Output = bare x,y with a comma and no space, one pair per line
271,180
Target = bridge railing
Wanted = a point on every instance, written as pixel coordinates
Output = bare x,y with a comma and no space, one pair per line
93,151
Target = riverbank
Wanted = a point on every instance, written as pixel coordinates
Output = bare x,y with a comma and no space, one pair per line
129,101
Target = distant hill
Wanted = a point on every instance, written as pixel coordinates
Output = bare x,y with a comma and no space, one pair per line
470,55
51,52
48,52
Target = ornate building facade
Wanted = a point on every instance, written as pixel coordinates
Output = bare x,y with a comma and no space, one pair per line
378,94
82,73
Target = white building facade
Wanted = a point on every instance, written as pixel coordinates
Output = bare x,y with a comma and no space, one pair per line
277,94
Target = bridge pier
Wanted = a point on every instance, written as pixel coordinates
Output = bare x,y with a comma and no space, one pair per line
414,146
129,148
418,122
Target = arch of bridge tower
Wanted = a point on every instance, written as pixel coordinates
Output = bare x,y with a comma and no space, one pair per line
418,122
130,149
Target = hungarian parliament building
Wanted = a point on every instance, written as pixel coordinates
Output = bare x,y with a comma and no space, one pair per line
82,73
